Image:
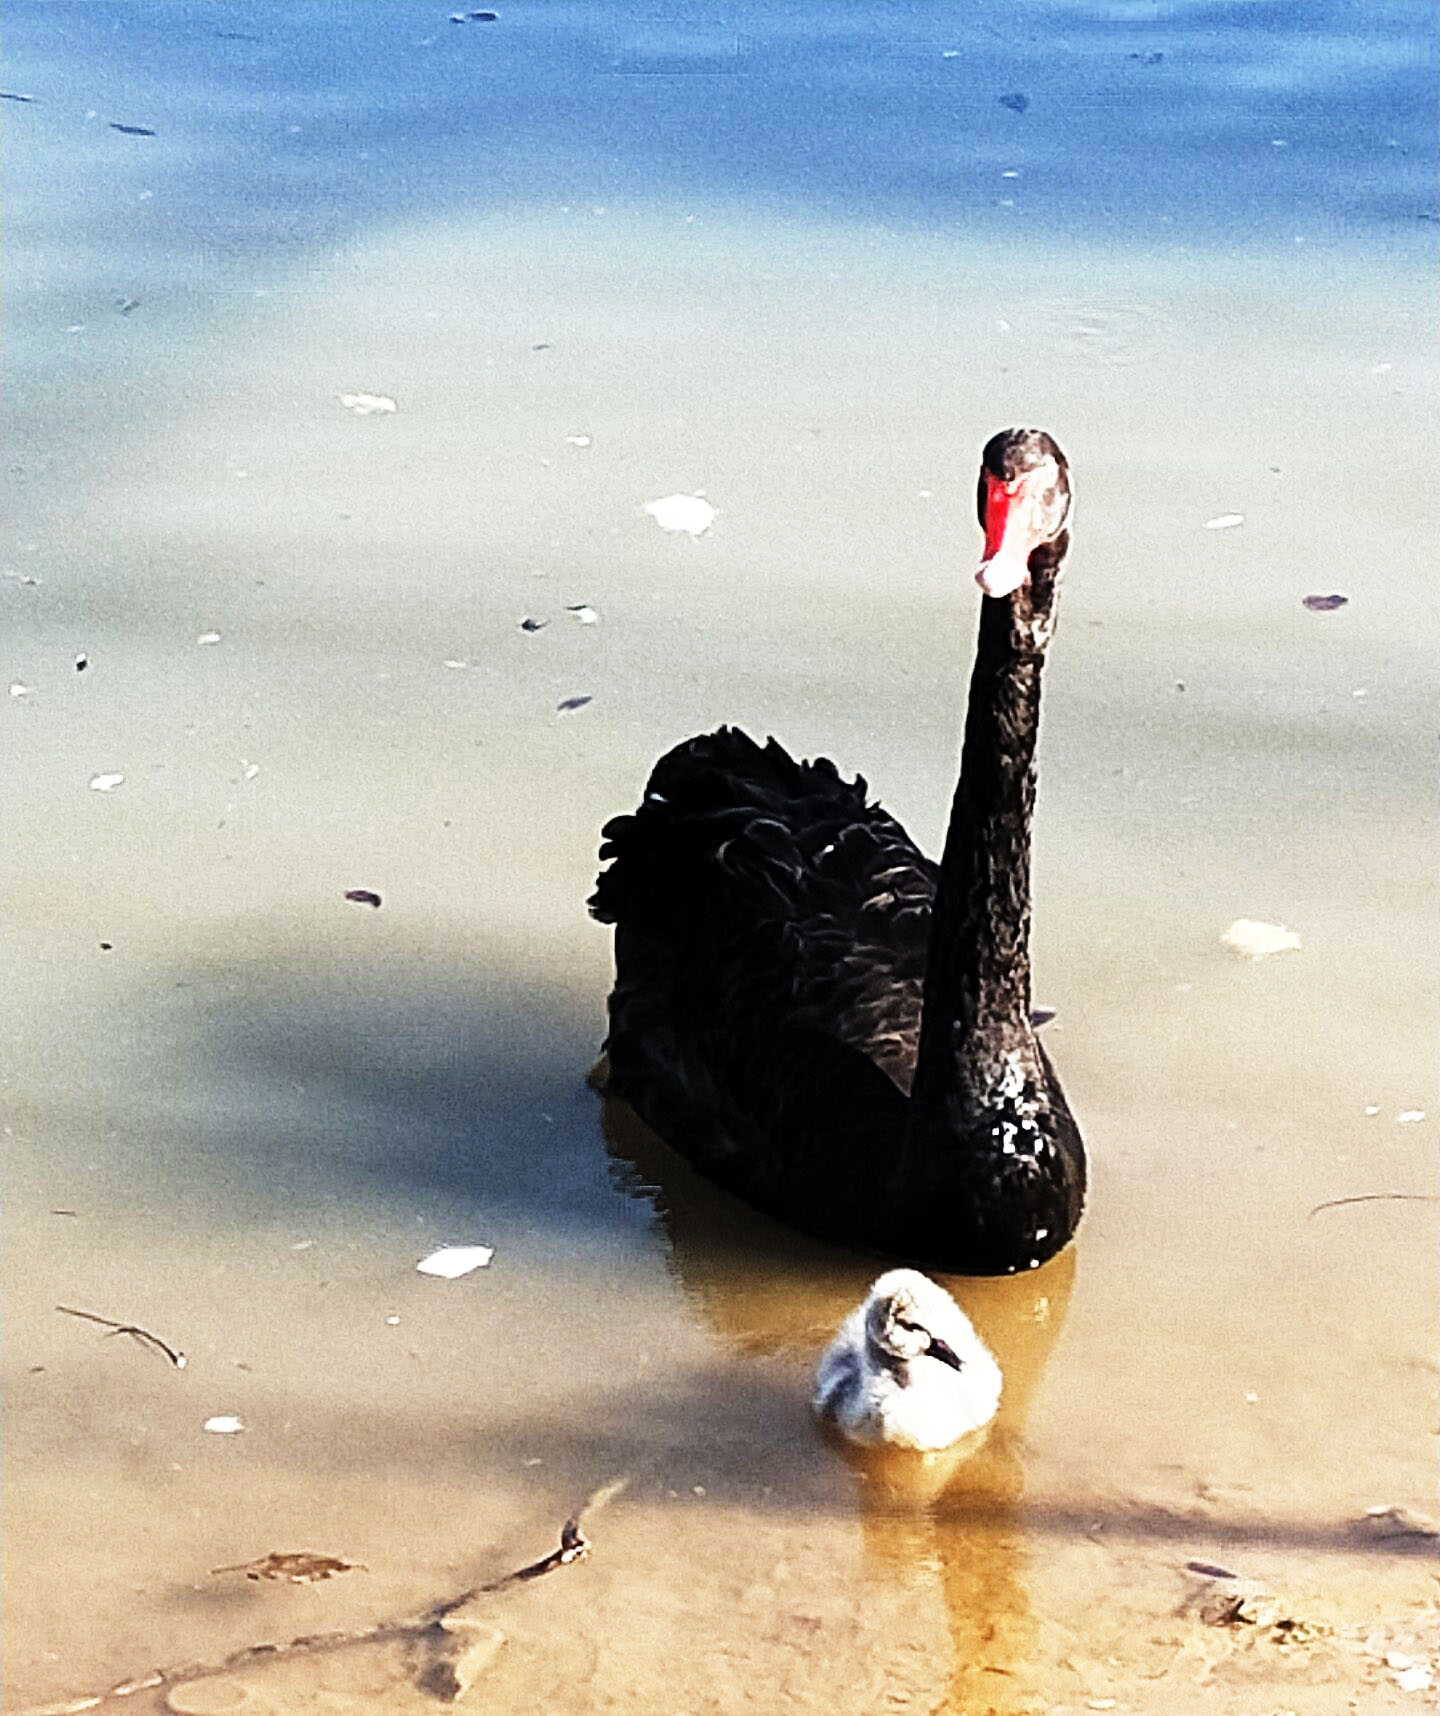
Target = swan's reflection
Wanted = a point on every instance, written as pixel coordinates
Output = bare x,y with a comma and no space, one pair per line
949,1522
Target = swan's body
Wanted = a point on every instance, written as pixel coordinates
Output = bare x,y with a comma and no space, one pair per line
821,1018
907,1370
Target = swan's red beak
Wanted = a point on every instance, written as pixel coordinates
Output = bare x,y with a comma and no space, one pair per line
1010,536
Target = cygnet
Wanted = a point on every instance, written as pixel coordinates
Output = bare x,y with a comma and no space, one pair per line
907,1370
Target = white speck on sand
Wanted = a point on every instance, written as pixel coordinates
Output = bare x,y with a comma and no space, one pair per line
1225,521
106,783
368,404
453,1261
692,514
208,638
224,1424
1251,939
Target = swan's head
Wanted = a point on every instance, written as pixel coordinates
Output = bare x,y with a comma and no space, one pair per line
1024,505
908,1317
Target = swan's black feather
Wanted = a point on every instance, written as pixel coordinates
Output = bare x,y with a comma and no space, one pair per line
770,943
806,902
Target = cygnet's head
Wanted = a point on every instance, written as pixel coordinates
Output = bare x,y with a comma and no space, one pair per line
908,1317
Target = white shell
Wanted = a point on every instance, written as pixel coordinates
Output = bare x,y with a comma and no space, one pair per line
453,1261
1252,939
368,404
692,514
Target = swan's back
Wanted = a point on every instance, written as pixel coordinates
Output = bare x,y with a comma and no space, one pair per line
769,887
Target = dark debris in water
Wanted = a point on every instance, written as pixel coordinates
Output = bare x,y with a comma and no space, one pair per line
7,95
132,130
1016,102
1150,59
294,1566
1324,604
363,897
1398,1524
574,1546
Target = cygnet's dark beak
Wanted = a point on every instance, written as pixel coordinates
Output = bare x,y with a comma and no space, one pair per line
946,1354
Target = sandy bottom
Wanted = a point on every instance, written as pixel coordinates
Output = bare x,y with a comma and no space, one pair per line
242,1107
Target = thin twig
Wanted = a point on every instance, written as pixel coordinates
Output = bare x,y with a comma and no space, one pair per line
574,1546
1377,1198
136,1333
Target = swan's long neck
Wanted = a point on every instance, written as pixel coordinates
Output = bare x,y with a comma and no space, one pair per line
977,1053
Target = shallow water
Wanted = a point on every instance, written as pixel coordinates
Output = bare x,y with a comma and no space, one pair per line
774,255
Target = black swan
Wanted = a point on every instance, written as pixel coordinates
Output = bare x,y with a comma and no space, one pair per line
816,1015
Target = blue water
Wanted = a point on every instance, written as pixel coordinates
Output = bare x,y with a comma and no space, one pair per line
286,126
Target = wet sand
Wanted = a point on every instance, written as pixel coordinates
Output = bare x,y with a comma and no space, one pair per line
241,1107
